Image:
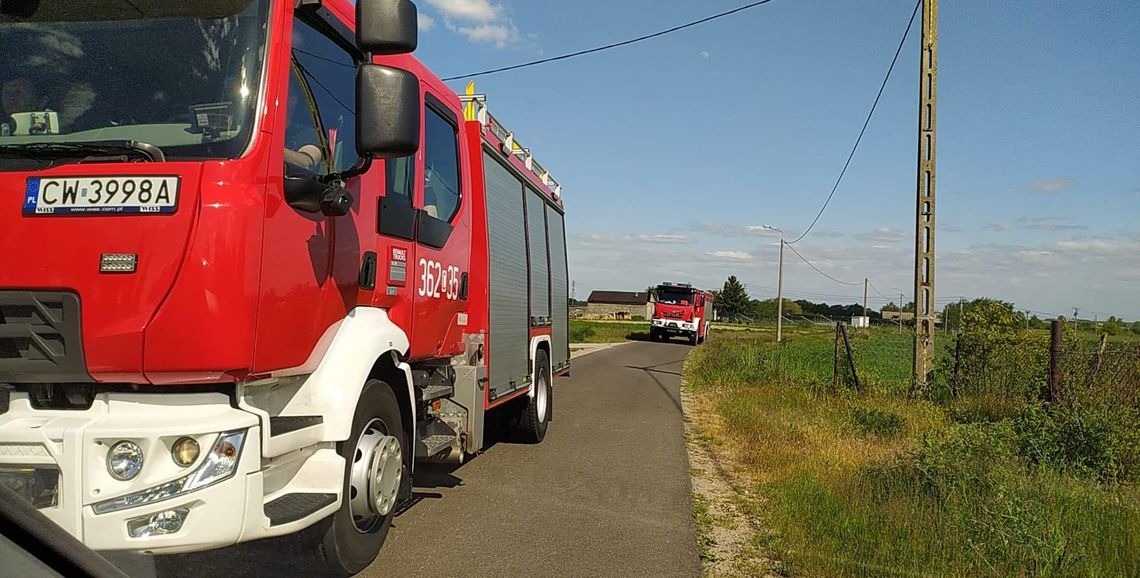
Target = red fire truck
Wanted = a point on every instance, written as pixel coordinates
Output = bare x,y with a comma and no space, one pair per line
257,261
679,309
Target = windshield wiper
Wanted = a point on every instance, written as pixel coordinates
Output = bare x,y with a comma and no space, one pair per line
107,148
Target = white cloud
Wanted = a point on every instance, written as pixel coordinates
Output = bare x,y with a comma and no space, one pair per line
827,233
468,10
424,22
1052,185
705,54
999,227
883,235
730,255
726,230
610,241
498,34
1050,224
480,21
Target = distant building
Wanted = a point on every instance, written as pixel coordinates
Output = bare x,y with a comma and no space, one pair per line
618,305
894,316
897,315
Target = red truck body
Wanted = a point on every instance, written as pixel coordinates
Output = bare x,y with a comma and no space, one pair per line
679,309
299,287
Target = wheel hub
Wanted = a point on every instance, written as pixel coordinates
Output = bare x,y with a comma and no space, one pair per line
374,482
540,394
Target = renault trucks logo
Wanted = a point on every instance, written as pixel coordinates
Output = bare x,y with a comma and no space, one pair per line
399,254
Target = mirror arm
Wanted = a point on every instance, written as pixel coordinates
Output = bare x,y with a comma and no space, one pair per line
325,195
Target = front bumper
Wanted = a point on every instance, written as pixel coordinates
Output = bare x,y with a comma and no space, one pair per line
75,442
674,326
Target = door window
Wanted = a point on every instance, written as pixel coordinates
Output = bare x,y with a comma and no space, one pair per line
320,133
441,166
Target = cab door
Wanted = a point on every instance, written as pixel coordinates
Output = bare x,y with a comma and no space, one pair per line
439,272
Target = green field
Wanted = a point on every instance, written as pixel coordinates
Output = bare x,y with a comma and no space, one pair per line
583,331
870,483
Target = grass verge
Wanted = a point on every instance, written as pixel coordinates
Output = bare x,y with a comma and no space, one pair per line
869,483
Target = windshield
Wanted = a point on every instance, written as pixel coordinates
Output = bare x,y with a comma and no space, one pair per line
671,296
182,76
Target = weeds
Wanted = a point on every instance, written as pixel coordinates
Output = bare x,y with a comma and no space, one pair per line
987,484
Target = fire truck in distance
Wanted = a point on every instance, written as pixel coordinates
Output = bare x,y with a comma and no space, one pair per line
255,272
679,309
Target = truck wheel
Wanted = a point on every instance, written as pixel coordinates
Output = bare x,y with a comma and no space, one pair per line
534,414
654,335
376,460
693,339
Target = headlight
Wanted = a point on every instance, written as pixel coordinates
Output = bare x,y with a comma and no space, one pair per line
220,463
185,451
124,460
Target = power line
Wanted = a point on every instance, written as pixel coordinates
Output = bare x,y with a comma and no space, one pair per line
817,269
865,123
609,46
877,291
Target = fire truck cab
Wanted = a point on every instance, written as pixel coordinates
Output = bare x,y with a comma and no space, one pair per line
256,261
679,309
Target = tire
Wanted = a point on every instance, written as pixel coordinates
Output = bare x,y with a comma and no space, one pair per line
654,335
351,544
694,339
534,411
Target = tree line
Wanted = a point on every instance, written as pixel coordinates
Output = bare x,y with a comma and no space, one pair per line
734,304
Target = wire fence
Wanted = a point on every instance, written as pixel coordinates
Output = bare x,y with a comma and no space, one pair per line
1028,364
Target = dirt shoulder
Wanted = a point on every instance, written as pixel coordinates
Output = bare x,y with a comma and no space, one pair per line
727,534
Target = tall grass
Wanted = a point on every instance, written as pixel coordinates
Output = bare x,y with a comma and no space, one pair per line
870,484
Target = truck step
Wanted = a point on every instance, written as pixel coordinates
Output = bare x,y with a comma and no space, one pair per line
431,393
293,507
284,424
434,444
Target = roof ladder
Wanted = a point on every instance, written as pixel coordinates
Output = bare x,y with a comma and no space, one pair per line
475,108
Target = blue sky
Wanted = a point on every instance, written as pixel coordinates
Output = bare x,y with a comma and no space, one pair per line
672,152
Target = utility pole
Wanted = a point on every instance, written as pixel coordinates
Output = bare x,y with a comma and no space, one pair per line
865,282
779,288
900,311
780,297
924,309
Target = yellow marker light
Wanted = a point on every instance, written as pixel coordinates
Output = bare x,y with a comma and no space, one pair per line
185,451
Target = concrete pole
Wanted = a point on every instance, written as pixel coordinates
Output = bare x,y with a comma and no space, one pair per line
780,296
865,282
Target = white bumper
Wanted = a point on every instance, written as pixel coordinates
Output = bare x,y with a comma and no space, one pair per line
674,325
76,443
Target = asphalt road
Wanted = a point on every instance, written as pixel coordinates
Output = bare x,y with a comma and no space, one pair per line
606,494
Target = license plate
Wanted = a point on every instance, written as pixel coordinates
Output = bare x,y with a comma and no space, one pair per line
101,195
37,486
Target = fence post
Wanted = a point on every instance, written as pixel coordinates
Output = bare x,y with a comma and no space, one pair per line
850,357
835,368
1056,339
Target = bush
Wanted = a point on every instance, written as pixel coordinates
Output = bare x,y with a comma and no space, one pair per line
581,333
877,422
1100,443
984,409
637,318
964,459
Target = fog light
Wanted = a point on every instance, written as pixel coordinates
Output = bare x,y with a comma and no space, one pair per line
125,460
160,524
185,451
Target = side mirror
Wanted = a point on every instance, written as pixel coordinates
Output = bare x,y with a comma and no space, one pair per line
387,112
386,26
